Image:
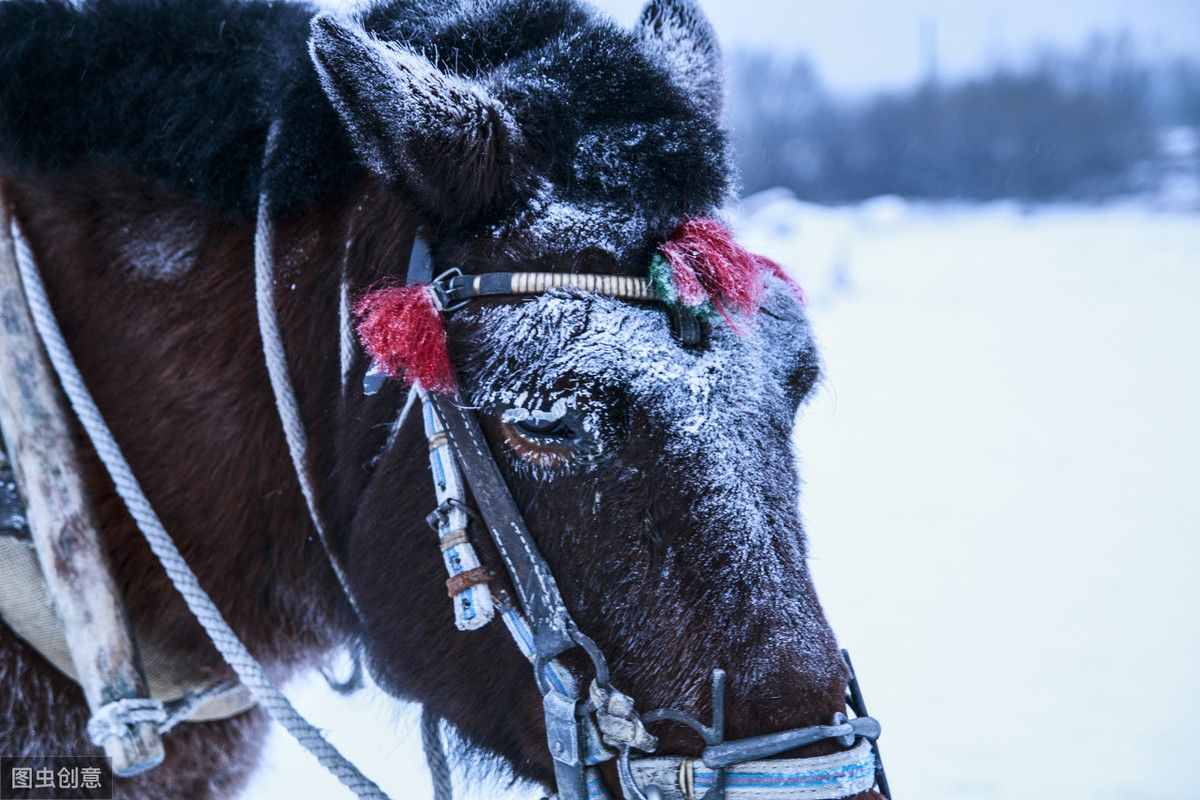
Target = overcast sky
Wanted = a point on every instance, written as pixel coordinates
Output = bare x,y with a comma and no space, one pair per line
865,44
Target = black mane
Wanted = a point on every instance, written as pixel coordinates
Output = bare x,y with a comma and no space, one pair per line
185,92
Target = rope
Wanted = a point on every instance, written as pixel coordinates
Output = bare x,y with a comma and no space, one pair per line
181,710
248,670
113,720
435,755
288,410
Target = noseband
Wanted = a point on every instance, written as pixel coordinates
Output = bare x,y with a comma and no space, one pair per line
586,729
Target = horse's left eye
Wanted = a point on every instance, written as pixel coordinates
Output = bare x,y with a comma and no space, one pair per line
544,438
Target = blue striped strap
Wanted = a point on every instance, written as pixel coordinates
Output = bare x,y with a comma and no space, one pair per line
831,777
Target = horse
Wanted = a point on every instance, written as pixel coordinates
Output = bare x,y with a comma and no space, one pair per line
138,141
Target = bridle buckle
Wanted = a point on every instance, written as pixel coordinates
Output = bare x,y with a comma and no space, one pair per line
446,290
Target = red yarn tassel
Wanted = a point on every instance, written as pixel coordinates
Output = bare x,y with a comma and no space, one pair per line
402,330
703,254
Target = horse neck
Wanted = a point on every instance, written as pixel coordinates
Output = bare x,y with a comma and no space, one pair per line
174,360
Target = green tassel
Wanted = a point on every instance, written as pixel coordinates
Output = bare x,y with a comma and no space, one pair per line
662,283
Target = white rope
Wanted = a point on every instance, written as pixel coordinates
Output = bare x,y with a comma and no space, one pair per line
181,710
398,424
113,720
288,410
345,330
435,755
248,670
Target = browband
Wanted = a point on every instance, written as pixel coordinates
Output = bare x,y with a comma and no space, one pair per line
453,289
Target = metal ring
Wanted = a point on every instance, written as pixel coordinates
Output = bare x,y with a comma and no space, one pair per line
599,664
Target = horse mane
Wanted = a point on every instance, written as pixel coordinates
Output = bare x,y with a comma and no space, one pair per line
183,93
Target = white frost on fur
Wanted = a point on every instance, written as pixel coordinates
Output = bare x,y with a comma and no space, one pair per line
408,98
552,222
677,33
160,246
718,421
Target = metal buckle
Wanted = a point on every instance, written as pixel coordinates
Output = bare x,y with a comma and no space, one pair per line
445,296
437,518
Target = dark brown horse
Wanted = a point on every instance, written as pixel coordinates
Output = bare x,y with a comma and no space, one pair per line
519,135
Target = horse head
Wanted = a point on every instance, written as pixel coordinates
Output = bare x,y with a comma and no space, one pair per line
656,472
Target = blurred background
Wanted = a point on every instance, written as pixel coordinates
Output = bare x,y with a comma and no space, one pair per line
994,209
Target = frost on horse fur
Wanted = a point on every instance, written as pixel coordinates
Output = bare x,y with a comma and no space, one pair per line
514,135
699,268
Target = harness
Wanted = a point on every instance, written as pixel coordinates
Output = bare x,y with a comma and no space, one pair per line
586,729
585,726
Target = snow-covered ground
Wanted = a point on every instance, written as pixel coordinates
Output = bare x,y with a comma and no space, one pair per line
1001,498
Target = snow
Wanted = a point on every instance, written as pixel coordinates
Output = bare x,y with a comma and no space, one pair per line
1000,498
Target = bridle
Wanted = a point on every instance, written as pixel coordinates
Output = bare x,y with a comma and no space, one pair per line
585,729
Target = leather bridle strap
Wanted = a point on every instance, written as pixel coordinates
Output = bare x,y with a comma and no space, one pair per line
572,739
454,289
830,777
554,632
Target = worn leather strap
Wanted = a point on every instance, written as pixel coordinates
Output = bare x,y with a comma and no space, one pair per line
532,579
552,630
457,584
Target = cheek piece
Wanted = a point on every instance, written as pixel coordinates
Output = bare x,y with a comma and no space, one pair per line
699,274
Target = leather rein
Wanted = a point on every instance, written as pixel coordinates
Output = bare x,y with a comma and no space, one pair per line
585,729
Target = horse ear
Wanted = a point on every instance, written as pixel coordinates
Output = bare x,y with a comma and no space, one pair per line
443,137
678,33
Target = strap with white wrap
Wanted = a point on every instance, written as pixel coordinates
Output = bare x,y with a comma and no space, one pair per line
473,607
831,777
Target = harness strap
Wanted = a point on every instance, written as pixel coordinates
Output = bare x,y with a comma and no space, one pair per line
454,288
553,630
831,777
467,581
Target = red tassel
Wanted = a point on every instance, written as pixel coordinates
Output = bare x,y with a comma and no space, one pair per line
704,257
692,293
402,330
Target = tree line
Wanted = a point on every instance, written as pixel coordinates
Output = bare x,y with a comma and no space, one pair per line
1063,125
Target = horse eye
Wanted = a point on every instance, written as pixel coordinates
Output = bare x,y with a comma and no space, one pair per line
545,438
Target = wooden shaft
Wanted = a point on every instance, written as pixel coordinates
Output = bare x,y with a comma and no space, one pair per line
36,425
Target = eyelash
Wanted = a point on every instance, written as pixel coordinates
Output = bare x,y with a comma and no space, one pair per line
538,457
543,461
